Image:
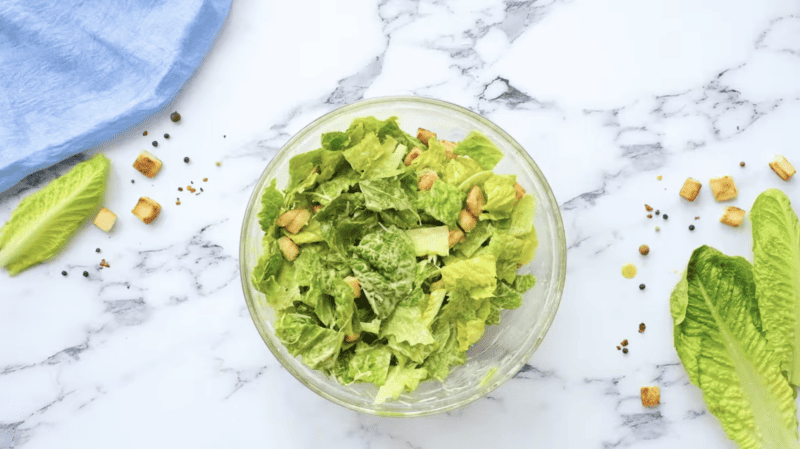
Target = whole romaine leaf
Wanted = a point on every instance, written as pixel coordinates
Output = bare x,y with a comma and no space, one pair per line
480,149
442,202
718,337
318,346
776,268
44,222
271,201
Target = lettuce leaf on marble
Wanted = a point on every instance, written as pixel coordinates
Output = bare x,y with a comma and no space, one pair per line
719,339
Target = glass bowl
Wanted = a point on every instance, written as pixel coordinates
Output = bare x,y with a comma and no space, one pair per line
505,347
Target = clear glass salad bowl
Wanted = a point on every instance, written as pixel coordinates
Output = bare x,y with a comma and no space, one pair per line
504,348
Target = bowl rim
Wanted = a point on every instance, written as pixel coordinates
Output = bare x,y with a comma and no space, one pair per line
559,274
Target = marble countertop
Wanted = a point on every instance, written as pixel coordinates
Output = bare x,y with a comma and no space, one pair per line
158,350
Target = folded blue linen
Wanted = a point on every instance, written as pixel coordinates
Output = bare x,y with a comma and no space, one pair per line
75,73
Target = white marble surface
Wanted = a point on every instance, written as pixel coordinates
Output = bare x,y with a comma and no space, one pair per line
159,350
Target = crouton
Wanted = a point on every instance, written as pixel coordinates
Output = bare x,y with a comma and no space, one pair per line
733,216
724,189
352,338
448,149
455,236
355,284
519,192
287,217
289,249
651,396
690,189
467,221
413,154
423,135
782,167
475,201
105,219
300,220
146,209
148,164
426,181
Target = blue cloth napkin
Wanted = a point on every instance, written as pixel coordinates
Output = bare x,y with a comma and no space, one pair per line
76,73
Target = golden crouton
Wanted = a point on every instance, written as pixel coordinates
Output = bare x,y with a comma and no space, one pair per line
690,189
289,249
105,219
426,181
448,149
423,135
475,201
519,192
455,236
467,221
146,209
355,284
300,220
287,217
724,189
651,396
413,154
148,164
782,167
733,216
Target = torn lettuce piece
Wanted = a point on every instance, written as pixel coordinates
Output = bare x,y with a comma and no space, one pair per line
479,149
331,189
434,158
383,194
500,197
719,339
271,201
375,160
476,276
475,239
400,379
459,170
442,202
429,241
776,260
317,346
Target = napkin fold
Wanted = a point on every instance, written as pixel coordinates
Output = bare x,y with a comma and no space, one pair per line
75,73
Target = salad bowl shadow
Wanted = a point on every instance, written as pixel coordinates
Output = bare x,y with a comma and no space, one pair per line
504,348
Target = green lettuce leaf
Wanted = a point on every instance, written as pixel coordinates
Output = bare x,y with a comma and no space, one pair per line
776,260
480,149
442,202
43,223
522,216
434,158
446,355
500,197
360,127
400,379
301,166
369,364
719,340
430,241
459,170
303,336
475,239
476,276
335,141
331,189
271,202
310,234
385,265
375,160
478,179
382,194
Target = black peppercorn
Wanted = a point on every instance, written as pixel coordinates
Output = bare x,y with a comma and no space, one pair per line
166,135
63,273
691,227
624,350
658,212
666,216
86,274
175,117
641,286
97,250
155,144
186,159
132,181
